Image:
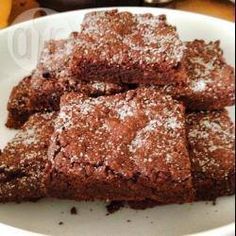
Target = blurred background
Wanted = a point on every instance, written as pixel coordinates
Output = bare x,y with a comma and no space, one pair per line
14,11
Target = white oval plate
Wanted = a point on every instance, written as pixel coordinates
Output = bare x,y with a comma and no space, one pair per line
19,47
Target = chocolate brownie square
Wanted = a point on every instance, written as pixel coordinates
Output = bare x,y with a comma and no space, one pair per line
212,152
130,146
211,81
23,161
129,48
41,92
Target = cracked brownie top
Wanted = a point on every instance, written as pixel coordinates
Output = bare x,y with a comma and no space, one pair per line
140,133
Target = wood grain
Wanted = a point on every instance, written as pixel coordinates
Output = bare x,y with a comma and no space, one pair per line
218,8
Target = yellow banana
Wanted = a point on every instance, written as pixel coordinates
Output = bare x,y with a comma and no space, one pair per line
5,9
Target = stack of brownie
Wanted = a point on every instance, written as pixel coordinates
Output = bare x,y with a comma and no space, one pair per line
122,111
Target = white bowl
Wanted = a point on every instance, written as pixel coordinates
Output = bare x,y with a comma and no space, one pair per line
43,217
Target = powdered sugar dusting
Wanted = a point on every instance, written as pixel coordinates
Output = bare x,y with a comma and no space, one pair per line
64,118
23,161
125,111
27,137
100,86
173,123
210,82
169,158
160,124
208,73
137,143
143,135
211,140
147,37
198,86
55,58
86,108
138,127
152,126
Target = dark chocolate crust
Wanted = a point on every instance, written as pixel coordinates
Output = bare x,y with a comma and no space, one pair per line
23,161
130,146
129,48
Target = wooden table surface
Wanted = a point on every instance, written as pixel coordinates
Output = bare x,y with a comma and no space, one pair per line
219,8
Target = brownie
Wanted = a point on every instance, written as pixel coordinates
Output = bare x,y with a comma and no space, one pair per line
41,92
128,48
23,161
19,104
210,83
54,58
212,152
129,146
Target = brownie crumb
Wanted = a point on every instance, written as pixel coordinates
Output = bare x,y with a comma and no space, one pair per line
46,75
151,222
61,223
129,221
91,210
214,203
73,211
114,207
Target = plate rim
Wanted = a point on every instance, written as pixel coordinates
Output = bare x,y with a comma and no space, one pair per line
226,230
